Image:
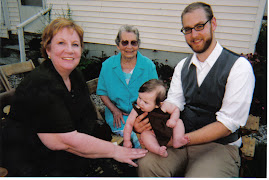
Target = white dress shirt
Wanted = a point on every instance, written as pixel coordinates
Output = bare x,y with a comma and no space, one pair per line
238,94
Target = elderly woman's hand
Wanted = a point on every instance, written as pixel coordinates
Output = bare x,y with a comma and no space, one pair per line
142,124
117,113
118,117
126,155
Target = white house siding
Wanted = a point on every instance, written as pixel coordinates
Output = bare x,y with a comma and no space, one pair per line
14,15
159,21
3,27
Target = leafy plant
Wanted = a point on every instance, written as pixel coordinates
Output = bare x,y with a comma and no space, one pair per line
84,60
261,46
91,67
165,72
259,103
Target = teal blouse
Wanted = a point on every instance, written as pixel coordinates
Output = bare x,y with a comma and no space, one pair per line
112,83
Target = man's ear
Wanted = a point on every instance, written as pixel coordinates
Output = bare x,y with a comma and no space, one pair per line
214,23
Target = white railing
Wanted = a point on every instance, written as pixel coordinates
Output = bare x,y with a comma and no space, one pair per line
21,32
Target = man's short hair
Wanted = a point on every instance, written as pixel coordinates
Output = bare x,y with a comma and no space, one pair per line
197,5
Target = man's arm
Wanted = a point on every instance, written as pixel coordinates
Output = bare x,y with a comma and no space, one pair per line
208,133
238,95
175,96
235,107
142,124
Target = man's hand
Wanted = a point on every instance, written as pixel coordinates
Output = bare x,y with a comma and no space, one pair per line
142,124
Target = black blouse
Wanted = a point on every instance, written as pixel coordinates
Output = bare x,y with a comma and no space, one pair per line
42,104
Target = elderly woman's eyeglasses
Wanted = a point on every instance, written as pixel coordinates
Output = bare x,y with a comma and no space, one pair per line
125,43
198,27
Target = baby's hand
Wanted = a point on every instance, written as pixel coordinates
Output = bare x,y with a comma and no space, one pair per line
127,144
171,123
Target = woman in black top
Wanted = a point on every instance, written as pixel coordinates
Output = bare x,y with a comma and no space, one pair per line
51,125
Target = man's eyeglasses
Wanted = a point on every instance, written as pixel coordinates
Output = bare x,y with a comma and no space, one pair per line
198,27
125,43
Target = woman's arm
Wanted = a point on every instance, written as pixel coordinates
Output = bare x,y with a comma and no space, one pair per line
89,147
117,113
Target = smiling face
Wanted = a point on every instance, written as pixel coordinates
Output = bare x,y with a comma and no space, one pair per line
147,101
199,41
65,50
129,51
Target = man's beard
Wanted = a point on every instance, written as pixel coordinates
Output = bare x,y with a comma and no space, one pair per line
205,47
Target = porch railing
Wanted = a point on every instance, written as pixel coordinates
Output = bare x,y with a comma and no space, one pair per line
21,31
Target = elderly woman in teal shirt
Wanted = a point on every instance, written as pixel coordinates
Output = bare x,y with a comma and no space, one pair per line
121,77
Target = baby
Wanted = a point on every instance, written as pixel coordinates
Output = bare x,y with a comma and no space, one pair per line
168,130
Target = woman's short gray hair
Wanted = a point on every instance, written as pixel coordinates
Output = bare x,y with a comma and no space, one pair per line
127,28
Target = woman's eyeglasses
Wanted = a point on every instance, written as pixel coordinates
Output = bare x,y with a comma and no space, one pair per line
125,43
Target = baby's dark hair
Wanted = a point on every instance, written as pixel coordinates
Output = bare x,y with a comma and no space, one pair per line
153,85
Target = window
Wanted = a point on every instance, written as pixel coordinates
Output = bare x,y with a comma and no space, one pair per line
31,3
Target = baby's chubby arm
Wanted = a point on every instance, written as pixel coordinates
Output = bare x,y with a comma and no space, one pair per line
173,110
128,129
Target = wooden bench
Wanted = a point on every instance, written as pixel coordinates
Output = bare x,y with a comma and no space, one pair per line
92,85
247,150
5,101
13,69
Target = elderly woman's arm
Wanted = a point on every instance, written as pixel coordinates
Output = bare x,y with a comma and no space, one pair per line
117,113
90,147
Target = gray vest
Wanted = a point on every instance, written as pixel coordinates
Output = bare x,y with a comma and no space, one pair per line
203,102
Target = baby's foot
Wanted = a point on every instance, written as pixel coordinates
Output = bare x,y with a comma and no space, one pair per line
180,142
163,152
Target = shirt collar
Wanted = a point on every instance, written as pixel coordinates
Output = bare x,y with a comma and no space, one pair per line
212,58
138,61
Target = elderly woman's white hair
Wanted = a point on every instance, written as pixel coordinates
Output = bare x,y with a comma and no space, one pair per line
127,28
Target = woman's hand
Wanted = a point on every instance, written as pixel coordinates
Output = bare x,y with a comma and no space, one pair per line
142,124
117,113
126,155
118,117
